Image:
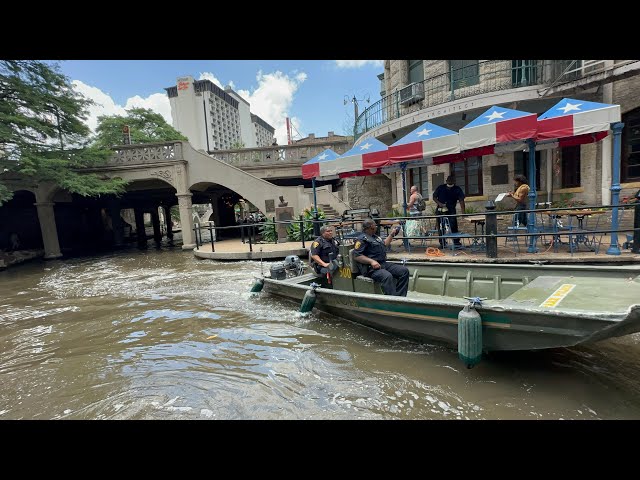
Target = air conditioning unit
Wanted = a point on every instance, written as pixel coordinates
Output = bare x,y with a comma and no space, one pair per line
412,93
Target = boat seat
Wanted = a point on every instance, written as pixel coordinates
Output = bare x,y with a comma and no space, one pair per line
362,284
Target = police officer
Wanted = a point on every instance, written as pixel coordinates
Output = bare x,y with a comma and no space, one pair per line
323,249
372,251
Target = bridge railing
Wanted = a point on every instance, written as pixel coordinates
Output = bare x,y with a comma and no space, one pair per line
278,154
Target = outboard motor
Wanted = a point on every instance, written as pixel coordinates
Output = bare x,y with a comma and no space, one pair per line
293,266
278,271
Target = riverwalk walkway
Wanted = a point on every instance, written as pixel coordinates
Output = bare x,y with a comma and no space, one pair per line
234,249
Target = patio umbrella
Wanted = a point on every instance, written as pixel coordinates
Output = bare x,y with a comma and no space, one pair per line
504,130
422,146
574,122
315,167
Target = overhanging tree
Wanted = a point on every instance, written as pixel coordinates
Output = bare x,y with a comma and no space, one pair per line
42,131
145,126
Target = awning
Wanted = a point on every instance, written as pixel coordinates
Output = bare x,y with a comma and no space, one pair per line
572,118
367,156
315,167
497,129
424,143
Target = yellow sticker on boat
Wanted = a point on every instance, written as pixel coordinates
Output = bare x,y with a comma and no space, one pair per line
557,296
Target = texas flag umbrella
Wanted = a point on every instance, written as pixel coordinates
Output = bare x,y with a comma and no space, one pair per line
424,143
315,167
498,129
575,122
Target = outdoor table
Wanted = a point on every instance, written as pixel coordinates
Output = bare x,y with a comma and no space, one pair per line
477,243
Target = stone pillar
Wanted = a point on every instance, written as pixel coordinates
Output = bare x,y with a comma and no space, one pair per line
116,223
155,220
47,220
283,214
167,217
141,234
186,220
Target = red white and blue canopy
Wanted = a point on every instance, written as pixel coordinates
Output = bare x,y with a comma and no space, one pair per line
574,122
314,167
424,143
498,129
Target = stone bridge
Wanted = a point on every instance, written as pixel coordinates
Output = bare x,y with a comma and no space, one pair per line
165,174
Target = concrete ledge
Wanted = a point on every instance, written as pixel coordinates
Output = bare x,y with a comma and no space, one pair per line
255,255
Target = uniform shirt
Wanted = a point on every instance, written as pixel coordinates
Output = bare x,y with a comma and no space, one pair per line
372,247
448,196
323,247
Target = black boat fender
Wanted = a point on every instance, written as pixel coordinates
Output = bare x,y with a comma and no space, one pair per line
470,333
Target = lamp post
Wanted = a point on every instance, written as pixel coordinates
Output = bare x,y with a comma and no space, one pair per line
355,101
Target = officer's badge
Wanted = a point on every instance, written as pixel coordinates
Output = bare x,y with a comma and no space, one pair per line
315,244
358,243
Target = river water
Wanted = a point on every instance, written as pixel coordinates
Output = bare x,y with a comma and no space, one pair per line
158,334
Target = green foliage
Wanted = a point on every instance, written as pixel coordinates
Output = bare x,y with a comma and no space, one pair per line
566,201
293,230
268,231
145,126
470,209
42,131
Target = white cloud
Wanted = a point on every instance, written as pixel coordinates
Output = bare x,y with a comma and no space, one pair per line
272,99
210,76
105,105
358,63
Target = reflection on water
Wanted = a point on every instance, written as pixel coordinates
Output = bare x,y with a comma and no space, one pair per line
158,334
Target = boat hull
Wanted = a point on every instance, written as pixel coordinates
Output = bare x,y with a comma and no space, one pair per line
518,322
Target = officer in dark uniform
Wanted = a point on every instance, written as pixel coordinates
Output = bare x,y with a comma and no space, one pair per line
323,249
371,251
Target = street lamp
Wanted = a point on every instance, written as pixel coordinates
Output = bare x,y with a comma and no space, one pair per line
355,101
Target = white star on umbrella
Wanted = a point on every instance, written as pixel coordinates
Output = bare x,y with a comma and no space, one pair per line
323,156
495,115
424,131
366,146
570,106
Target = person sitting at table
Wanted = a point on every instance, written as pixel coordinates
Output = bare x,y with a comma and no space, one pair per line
520,195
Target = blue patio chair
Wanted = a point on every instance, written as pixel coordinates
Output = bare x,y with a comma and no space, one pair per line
515,228
446,227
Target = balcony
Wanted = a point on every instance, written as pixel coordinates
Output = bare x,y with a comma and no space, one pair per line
552,77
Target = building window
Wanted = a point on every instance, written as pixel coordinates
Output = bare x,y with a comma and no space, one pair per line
464,73
416,71
521,166
468,175
631,147
570,167
523,73
419,178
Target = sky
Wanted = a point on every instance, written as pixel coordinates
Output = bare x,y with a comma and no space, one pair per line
311,93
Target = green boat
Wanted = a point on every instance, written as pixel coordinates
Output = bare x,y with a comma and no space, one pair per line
520,307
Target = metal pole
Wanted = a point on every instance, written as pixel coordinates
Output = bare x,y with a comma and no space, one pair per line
316,226
491,228
213,248
531,224
249,235
302,230
404,187
636,225
615,188
195,234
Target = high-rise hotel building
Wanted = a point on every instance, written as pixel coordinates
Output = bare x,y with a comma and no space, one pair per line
215,119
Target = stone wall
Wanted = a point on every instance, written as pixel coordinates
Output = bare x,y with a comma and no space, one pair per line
369,192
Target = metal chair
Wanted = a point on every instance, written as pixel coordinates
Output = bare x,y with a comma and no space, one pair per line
515,228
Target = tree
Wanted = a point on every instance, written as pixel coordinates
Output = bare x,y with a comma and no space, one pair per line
42,130
145,126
